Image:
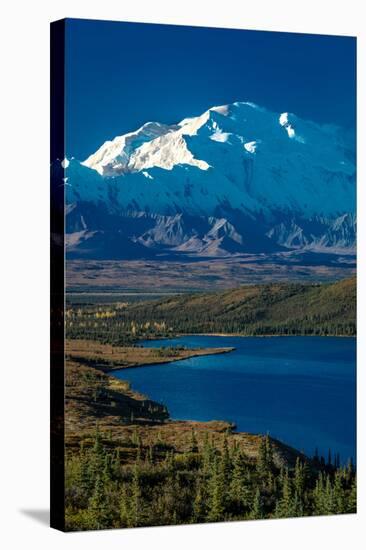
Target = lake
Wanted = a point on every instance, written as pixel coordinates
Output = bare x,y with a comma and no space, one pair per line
301,390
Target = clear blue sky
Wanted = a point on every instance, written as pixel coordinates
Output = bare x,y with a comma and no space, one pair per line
121,75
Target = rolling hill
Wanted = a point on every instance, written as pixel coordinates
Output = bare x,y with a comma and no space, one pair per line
280,308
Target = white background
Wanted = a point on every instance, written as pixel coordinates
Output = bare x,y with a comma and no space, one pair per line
24,219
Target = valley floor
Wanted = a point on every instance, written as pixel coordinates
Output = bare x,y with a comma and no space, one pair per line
200,275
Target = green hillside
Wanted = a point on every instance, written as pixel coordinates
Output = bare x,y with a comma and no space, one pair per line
267,309
261,309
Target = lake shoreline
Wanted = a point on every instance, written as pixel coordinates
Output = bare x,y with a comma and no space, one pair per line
204,352
240,335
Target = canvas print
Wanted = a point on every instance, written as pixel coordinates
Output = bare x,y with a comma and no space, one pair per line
203,240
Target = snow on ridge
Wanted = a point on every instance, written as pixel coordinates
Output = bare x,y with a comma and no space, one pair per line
113,156
249,104
288,121
147,175
161,146
221,109
192,125
284,121
220,136
165,152
251,146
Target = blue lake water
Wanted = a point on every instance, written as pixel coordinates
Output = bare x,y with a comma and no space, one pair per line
301,390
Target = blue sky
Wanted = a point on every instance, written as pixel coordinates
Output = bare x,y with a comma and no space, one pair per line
121,75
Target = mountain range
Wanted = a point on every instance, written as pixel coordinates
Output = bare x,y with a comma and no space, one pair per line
237,179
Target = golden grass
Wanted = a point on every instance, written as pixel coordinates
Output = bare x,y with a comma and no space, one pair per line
108,357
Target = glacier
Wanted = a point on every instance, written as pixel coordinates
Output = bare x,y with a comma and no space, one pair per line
237,178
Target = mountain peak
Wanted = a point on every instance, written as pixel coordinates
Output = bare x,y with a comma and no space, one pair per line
125,153
237,156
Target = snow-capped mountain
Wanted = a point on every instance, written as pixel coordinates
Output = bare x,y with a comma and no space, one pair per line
236,179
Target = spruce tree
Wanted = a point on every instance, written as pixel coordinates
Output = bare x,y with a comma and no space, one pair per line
239,490
83,479
135,501
269,454
318,495
97,511
107,469
96,457
328,497
216,500
208,455
256,511
338,494
350,471
225,462
352,498
199,508
116,463
285,504
299,480
262,458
